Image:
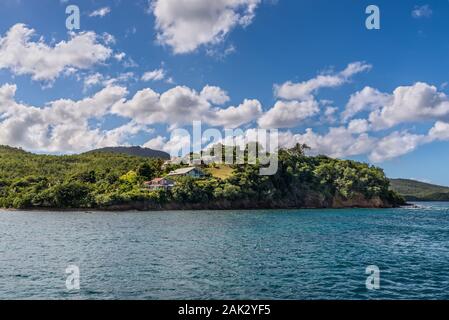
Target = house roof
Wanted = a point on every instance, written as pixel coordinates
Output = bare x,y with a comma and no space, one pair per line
157,180
182,171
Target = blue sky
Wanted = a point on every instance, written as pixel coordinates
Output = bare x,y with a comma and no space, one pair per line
137,70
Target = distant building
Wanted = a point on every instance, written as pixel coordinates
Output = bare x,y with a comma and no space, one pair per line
159,184
187,172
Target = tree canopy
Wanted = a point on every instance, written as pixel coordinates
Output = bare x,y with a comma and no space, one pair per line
102,180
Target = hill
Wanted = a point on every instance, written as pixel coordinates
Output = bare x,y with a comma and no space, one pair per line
134,151
413,190
115,181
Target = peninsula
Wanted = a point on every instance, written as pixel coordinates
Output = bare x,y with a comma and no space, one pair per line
119,181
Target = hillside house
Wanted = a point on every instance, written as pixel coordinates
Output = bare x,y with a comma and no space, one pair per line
159,184
187,172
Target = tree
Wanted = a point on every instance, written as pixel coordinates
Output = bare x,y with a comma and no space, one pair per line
145,171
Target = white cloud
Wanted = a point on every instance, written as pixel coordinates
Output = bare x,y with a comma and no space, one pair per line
288,114
21,55
97,79
338,142
109,39
174,146
299,102
367,99
158,143
358,126
234,117
182,105
420,102
215,95
100,12
329,114
93,80
305,90
155,75
417,103
395,145
143,107
62,125
185,25
422,12
440,131
341,142
119,56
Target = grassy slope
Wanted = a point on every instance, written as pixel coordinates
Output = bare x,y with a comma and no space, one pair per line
221,172
416,190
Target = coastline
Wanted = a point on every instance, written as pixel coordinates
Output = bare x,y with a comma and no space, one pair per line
134,209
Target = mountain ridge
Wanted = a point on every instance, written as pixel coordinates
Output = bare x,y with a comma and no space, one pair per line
133,151
413,190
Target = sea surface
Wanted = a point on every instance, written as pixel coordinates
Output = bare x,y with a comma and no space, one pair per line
280,254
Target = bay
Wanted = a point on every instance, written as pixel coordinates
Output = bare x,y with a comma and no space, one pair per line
266,254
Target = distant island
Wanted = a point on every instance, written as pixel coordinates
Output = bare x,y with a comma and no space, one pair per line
115,179
413,190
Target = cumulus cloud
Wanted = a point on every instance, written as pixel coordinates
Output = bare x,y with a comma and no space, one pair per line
395,145
305,90
21,55
288,114
298,100
440,131
234,117
93,80
62,125
341,142
358,126
158,143
215,95
182,105
417,103
338,142
366,99
175,146
400,143
420,102
185,25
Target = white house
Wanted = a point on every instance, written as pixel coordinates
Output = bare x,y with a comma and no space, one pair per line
187,172
159,184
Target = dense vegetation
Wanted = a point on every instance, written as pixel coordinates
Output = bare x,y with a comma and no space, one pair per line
420,191
110,180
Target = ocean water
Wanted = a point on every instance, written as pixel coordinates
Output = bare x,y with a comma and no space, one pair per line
294,254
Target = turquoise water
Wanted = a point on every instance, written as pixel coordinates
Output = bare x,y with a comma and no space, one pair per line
298,254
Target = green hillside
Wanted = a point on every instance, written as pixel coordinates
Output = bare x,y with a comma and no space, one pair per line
112,180
413,190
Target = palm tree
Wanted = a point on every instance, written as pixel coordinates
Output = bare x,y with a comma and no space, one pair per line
299,150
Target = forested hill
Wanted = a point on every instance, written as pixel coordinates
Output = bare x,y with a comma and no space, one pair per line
114,181
420,191
135,151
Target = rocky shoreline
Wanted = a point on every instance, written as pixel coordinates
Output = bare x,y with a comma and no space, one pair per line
311,203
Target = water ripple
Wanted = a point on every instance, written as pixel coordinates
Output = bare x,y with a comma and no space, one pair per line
294,254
